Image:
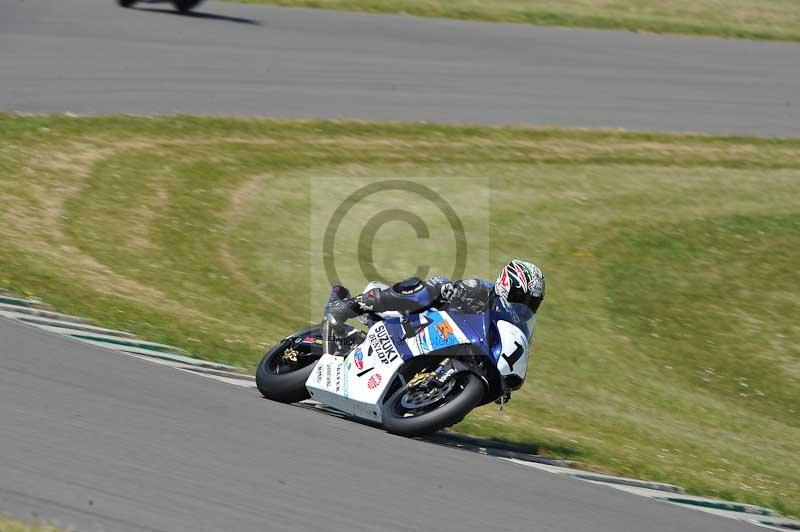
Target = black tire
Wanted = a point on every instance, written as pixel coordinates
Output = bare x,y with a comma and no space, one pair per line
184,6
126,3
451,412
277,382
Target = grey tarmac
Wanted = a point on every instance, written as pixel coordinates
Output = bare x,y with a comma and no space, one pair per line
92,57
94,440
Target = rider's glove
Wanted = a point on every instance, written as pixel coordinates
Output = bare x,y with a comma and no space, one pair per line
467,296
447,290
338,292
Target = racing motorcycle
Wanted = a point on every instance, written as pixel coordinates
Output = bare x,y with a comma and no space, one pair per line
184,6
414,374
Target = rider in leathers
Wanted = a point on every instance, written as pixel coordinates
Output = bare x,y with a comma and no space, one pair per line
519,283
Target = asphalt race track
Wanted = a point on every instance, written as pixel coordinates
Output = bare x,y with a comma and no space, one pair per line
91,57
95,440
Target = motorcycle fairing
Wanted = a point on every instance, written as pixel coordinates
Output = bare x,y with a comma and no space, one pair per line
357,383
512,357
337,382
430,331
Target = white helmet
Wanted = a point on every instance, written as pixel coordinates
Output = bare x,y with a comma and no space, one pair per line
521,282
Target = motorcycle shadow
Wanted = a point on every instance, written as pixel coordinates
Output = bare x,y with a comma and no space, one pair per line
449,438
194,14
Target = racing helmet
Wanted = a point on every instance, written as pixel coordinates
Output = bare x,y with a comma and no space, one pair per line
521,283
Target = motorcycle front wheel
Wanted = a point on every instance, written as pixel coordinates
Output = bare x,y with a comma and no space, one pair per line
184,6
413,412
282,373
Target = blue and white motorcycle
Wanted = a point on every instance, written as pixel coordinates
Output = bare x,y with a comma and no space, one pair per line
413,374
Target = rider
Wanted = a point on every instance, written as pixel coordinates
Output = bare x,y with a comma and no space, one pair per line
519,287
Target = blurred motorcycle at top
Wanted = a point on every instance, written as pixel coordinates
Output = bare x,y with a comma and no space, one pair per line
184,6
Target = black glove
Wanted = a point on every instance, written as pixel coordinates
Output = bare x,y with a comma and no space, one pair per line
467,296
338,292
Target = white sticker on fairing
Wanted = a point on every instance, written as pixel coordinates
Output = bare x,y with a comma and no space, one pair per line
327,375
381,344
356,383
514,356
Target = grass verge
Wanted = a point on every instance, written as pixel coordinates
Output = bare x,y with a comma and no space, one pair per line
7,525
668,347
740,19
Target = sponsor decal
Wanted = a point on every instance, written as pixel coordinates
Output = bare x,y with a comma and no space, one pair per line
312,340
360,362
358,359
446,375
328,376
445,330
319,373
443,334
374,381
345,378
381,343
338,378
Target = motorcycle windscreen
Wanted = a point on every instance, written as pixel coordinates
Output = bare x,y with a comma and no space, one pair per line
525,319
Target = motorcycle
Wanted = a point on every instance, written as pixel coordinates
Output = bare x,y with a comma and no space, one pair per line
184,6
414,374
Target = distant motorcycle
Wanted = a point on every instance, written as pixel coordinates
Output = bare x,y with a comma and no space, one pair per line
184,6
414,374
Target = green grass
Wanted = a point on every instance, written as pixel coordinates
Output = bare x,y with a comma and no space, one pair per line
7,525
742,19
667,348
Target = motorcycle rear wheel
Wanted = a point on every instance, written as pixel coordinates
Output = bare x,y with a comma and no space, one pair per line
283,380
466,393
184,6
